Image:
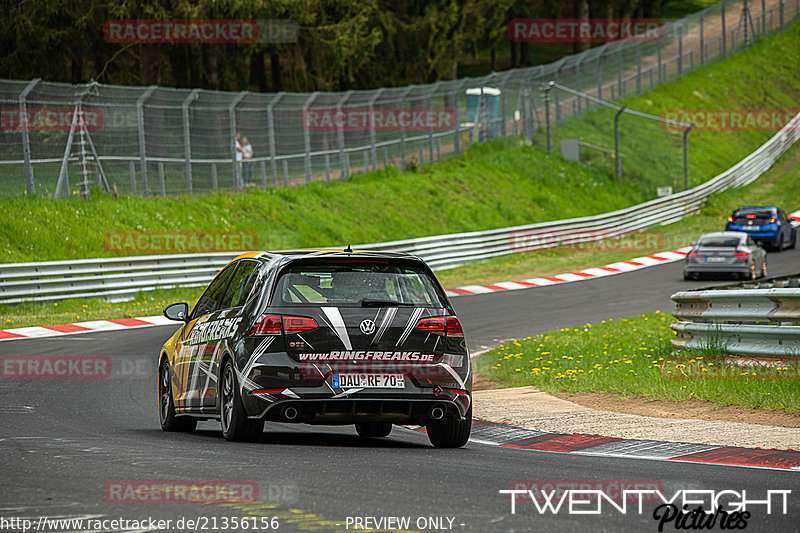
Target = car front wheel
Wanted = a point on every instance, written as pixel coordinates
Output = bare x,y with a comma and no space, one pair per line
166,405
233,418
451,433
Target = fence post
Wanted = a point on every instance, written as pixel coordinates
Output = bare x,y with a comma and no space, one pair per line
214,178
724,32
271,132
680,49
658,55
307,137
763,17
639,68
187,147
547,112
26,145
140,123
600,75
403,129
780,14
161,182
327,167
340,136
285,172
503,104
686,157
132,170
617,161
702,41
372,132
620,89
456,126
263,166
237,178
578,81
430,130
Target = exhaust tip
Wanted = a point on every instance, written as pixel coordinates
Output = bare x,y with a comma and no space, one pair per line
291,412
437,413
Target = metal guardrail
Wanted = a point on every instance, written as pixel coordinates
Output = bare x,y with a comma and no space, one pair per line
122,277
746,322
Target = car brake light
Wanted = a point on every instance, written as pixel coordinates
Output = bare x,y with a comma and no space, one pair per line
267,325
691,254
457,391
730,218
298,324
772,220
749,216
741,254
441,325
266,391
454,327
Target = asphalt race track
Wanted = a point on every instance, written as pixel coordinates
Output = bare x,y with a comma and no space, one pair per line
63,443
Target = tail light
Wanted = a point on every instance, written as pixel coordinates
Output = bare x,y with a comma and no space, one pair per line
267,325
278,325
448,326
730,218
749,216
298,324
772,220
691,254
741,254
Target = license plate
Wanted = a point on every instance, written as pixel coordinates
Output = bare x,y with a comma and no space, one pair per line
715,259
368,381
752,228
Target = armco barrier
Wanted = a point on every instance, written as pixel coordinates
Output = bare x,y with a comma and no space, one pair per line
121,277
745,322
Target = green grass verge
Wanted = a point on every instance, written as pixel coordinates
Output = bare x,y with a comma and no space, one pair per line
630,357
779,186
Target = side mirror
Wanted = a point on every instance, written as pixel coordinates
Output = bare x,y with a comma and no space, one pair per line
179,312
694,243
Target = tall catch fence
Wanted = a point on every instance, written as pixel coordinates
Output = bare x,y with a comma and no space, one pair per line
58,139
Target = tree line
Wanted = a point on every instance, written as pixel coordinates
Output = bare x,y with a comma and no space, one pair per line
341,44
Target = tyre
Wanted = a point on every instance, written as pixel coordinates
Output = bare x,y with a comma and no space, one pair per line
450,433
371,430
686,276
764,268
752,270
233,418
166,405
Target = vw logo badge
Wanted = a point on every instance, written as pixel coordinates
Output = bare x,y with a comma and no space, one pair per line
367,327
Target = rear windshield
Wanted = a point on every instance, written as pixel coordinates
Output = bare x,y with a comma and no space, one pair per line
720,242
760,217
357,284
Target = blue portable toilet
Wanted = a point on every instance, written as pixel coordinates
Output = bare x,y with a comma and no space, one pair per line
491,101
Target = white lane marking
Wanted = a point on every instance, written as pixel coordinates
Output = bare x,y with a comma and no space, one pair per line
339,327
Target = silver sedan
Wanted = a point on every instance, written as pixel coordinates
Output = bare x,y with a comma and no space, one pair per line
725,252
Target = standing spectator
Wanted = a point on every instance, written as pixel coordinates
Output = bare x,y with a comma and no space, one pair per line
247,154
238,147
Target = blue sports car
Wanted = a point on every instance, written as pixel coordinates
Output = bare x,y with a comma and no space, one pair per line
767,225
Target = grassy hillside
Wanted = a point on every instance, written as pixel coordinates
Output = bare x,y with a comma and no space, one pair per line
497,184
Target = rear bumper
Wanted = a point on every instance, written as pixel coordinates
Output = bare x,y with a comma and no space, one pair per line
331,411
700,268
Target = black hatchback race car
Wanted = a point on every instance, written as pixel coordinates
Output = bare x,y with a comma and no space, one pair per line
320,337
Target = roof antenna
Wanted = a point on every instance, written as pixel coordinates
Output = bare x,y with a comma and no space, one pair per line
348,249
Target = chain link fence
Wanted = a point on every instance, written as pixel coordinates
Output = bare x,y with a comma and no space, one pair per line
60,140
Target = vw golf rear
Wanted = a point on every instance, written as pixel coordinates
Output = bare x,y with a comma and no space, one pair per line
321,338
